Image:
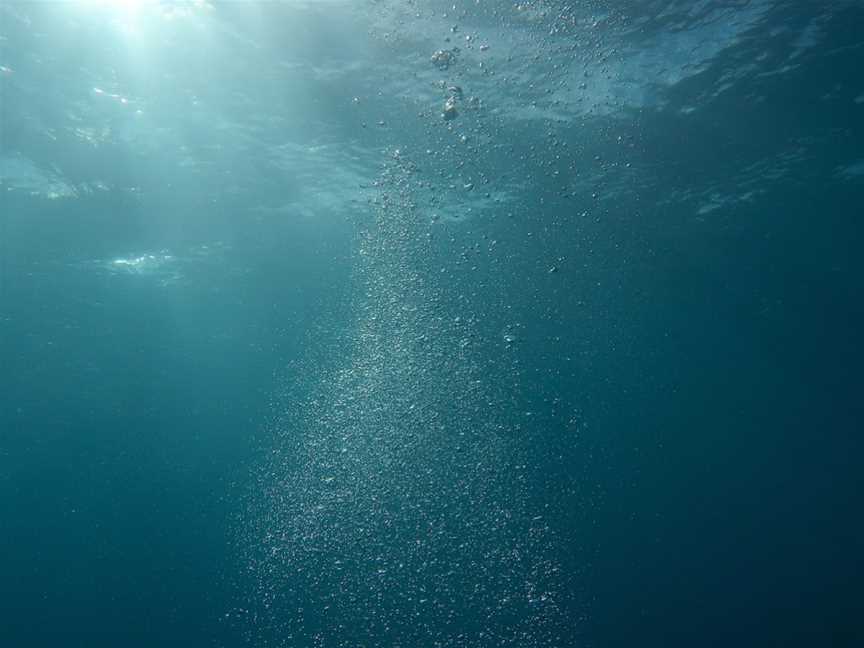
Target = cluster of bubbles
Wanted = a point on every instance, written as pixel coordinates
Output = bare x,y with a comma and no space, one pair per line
391,514
393,510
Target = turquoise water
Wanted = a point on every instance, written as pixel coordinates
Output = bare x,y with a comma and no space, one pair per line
399,323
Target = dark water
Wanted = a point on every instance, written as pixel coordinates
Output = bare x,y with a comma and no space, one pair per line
289,359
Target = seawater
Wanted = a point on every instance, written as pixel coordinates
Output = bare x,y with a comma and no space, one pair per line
430,324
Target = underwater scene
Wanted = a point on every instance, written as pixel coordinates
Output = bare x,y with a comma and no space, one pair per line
409,323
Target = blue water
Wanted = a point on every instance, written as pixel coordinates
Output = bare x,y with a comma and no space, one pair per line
392,323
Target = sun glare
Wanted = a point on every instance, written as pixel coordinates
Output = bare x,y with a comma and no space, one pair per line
127,11
131,9
123,5
126,6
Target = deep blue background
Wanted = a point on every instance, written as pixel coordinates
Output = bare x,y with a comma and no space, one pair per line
713,361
